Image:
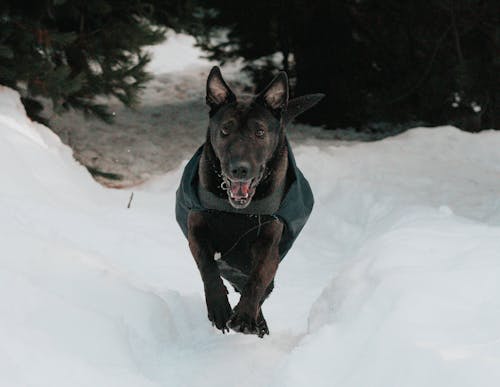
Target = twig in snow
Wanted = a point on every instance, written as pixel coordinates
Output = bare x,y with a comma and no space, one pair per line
130,200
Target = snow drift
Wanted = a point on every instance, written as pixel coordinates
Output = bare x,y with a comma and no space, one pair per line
394,281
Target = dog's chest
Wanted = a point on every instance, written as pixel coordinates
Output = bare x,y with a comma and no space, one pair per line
233,235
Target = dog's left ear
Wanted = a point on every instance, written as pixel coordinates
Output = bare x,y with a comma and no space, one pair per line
275,95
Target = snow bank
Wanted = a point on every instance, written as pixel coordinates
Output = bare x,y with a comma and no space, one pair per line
414,229
394,281
70,312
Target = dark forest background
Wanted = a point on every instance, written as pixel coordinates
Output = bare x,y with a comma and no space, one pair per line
435,61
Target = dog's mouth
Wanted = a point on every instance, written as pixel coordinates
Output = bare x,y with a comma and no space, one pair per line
240,192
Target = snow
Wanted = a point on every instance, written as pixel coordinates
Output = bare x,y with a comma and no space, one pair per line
394,281
176,53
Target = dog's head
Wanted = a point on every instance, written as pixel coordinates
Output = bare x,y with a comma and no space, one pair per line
245,132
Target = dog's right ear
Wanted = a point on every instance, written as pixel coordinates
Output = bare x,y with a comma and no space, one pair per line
299,105
218,92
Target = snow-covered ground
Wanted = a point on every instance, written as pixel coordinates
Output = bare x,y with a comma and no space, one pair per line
395,280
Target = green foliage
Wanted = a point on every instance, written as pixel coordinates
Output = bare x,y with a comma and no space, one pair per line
72,52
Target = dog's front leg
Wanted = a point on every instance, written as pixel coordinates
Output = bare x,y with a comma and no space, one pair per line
218,307
265,258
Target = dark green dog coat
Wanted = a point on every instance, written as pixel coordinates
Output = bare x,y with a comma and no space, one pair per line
293,211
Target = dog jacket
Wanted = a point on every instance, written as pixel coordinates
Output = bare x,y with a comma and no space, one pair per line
293,210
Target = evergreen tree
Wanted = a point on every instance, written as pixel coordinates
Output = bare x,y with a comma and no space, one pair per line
375,60
73,51
434,59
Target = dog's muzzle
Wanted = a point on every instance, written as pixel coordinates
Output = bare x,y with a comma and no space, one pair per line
239,191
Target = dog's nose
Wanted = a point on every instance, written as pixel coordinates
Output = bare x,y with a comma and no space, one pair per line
240,170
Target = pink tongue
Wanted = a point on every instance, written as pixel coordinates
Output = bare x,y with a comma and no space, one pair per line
239,189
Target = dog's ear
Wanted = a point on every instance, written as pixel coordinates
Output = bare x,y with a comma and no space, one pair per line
299,105
218,92
275,95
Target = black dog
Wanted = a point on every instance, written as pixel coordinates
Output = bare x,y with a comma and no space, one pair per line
242,200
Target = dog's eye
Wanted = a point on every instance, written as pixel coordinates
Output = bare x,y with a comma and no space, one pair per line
224,131
259,133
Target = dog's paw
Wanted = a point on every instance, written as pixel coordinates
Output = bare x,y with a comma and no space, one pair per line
244,322
219,310
262,328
